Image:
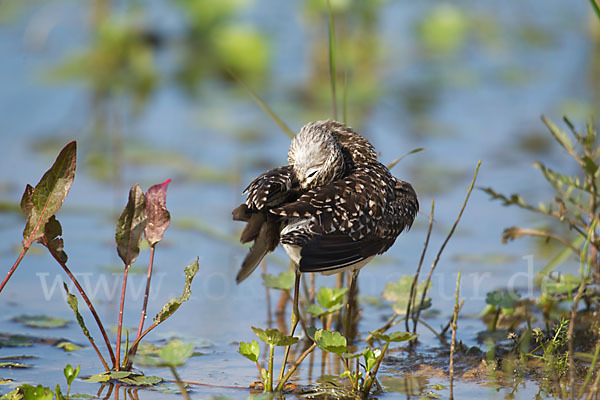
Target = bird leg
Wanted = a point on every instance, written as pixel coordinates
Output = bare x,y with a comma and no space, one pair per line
293,320
349,309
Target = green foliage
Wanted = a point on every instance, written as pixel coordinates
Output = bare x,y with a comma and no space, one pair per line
274,337
330,300
172,305
250,350
131,225
394,337
41,203
399,292
283,281
175,353
502,299
330,341
41,321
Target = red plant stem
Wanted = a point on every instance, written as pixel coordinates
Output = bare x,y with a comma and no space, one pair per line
126,361
87,302
120,326
14,267
133,350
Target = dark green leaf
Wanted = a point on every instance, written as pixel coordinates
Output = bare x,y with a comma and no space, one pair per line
41,321
141,380
175,353
331,341
502,299
49,194
103,377
274,337
157,213
172,305
283,281
52,233
250,350
131,225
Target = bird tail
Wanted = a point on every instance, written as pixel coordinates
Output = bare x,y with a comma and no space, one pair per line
266,237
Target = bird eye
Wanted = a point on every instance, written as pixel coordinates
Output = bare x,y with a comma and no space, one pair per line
313,173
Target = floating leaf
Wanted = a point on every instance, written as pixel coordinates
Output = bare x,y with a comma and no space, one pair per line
502,299
250,350
158,217
68,346
141,380
394,337
28,392
175,353
130,226
15,341
331,341
72,301
13,364
283,281
274,337
41,321
172,305
399,292
103,377
47,197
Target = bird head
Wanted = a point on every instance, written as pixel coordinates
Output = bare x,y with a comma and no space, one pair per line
315,155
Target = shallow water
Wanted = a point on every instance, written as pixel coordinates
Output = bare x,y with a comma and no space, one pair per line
480,102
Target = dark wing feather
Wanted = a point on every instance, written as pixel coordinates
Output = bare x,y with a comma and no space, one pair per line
335,251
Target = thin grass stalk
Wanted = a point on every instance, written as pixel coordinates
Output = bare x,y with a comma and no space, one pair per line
263,105
332,67
269,383
133,350
294,367
138,340
88,303
370,379
454,329
120,325
345,98
585,259
437,257
180,384
413,287
596,8
590,371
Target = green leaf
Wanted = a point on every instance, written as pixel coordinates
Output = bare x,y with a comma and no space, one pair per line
371,357
72,301
315,310
47,197
157,213
329,297
68,346
283,281
561,137
565,284
41,321
502,299
250,350
71,373
399,292
175,353
172,305
394,337
39,392
331,341
141,380
274,337
58,393
103,377
131,225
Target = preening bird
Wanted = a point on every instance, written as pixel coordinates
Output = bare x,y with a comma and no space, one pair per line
334,207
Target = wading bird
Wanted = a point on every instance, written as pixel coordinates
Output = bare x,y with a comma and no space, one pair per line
333,208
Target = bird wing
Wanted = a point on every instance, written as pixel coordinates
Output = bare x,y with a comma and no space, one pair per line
271,188
351,219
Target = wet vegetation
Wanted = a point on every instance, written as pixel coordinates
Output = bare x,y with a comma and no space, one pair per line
400,338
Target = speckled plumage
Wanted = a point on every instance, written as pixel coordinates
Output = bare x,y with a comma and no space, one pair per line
334,207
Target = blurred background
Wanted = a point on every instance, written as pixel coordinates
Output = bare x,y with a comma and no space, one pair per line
145,89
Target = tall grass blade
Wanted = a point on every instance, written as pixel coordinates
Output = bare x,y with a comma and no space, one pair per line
332,67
